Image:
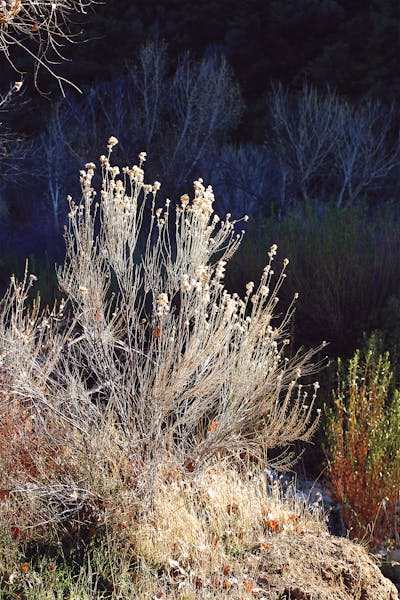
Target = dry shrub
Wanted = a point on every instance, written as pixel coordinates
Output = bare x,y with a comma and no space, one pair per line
153,367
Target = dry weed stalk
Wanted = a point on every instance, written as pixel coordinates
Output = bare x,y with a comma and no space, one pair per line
158,363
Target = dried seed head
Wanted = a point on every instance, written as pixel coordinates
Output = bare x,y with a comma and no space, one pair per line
162,304
112,142
249,287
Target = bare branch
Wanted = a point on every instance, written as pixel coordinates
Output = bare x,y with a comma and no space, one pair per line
40,28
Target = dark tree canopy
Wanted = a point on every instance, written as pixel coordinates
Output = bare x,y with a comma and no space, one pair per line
351,46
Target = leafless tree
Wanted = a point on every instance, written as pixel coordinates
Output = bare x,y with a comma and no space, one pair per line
319,137
5,101
52,146
191,110
246,178
364,154
205,105
14,148
149,80
302,133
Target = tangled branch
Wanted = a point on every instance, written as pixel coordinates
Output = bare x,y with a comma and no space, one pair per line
40,28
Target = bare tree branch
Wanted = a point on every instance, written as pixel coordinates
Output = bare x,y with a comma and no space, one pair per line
40,28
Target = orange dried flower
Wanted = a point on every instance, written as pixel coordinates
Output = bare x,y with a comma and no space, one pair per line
271,524
266,546
213,426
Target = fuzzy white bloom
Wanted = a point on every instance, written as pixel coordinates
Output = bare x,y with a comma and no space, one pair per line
220,269
114,171
230,308
198,185
273,250
112,142
156,186
202,273
249,287
185,200
185,285
162,304
203,200
142,156
138,174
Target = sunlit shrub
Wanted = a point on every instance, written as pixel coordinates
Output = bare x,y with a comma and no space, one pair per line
363,445
153,364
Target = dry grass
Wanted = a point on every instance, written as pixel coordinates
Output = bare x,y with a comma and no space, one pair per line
205,534
209,532
212,534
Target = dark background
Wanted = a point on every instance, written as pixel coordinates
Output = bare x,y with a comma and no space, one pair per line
351,46
347,47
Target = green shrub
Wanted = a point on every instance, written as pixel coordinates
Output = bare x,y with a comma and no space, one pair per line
344,264
363,443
